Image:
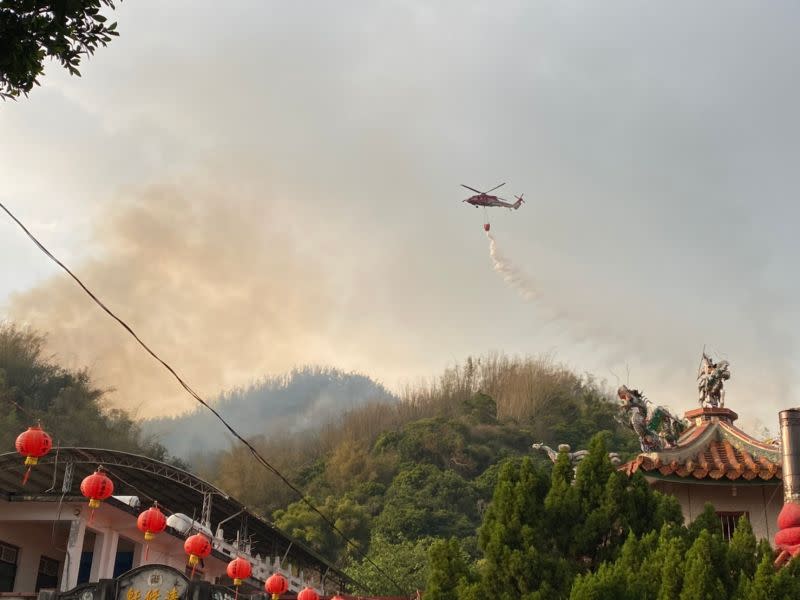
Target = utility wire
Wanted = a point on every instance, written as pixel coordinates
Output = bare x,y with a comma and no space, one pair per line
197,397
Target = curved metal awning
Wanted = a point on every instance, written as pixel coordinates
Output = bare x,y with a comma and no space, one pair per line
178,491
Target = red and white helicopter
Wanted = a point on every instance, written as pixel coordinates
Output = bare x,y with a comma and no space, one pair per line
485,200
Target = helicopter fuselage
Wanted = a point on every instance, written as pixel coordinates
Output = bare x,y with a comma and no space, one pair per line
487,200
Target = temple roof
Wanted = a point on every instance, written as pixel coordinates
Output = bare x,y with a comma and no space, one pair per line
712,448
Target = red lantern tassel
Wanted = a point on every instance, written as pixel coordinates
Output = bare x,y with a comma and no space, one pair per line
25,477
146,552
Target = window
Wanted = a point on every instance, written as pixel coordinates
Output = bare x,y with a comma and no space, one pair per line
8,566
47,578
728,520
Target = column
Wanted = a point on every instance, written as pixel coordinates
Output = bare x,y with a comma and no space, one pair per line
72,558
105,554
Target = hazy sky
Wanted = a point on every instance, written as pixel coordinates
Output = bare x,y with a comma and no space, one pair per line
272,183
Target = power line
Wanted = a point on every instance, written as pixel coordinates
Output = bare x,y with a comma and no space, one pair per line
197,397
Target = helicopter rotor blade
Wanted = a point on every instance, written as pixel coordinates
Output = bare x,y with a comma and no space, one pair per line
495,187
469,188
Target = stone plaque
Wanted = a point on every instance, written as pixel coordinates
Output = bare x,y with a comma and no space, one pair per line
152,582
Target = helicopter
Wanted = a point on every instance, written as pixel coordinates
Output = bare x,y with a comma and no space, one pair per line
484,199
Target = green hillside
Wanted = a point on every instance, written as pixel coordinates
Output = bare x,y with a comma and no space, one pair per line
441,489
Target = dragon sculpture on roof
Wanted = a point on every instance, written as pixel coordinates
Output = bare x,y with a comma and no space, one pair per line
657,429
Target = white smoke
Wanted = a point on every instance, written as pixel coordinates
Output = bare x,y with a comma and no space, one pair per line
510,273
549,307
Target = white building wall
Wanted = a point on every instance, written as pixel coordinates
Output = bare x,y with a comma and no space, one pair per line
762,502
29,526
34,540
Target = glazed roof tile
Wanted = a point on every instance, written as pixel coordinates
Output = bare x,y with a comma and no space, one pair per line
714,449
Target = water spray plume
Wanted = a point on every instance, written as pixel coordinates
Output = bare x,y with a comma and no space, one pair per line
546,308
509,272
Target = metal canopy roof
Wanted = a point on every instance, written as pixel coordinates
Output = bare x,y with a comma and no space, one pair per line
178,491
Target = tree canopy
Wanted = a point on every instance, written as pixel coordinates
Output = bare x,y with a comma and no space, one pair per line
32,30
71,409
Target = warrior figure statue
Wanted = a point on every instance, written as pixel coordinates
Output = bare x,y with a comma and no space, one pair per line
656,430
710,379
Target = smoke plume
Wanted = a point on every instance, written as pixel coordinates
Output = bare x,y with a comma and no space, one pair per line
209,281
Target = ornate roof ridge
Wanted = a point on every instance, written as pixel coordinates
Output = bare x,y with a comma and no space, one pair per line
712,448
746,437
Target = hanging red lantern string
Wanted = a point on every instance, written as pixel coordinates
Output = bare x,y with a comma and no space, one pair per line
276,585
239,569
196,546
151,522
96,487
308,594
33,444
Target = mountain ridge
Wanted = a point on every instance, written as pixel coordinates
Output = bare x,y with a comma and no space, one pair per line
302,399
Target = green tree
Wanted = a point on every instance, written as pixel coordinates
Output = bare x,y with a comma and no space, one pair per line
32,30
672,565
448,570
705,521
299,521
701,581
606,582
764,581
480,408
562,504
787,581
742,550
517,559
72,410
425,500
406,562
610,505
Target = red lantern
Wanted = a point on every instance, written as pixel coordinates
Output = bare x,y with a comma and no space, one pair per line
276,585
789,516
239,569
787,539
197,546
96,487
151,522
308,594
337,597
33,444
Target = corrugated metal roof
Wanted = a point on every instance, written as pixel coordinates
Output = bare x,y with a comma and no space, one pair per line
176,490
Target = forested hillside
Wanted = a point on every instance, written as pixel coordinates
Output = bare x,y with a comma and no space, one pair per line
303,399
70,406
439,487
395,477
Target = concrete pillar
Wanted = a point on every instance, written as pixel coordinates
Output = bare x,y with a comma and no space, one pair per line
138,555
72,559
97,555
105,554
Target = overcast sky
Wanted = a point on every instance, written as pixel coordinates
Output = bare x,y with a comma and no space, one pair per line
276,183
